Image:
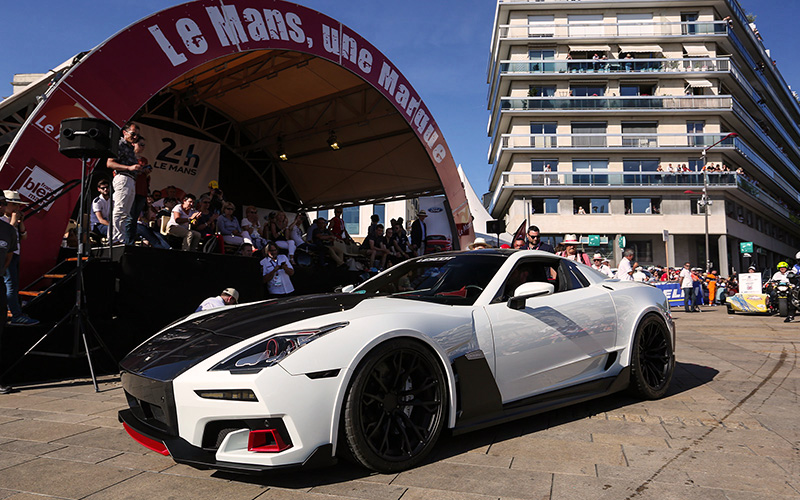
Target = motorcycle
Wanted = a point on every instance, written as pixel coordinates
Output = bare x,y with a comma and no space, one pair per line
783,294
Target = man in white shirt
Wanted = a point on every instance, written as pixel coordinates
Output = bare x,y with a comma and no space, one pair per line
228,297
276,271
179,223
625,270
783,270
101,209
686,284
639,275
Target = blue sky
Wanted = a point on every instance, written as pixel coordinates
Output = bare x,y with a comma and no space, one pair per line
440,45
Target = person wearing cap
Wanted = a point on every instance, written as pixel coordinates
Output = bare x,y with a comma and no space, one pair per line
215,197
8,243
479,244
12,214
598,265
639,274
228,297
571,250
419,231
126,167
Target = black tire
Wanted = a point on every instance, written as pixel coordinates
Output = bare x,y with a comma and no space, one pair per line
652,359
783,307
395,407
730,310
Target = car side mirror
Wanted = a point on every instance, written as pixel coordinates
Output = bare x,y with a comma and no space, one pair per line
348,288
529,290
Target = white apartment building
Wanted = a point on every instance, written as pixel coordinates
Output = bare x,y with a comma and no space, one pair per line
620,100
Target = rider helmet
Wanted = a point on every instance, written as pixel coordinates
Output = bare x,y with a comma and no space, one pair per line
797,256
783,264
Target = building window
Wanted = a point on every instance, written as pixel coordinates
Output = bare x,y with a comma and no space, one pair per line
592,206
639,134
542,91
379,209
643,165
591,135
544,205
635,24
541,26
694,129
537,58
582,90
325,214
643,206
350,215
643,251
543,135
586,166
688,20
585,25
638,89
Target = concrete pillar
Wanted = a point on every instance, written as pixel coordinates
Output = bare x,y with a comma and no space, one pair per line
617,251
671,252
722,250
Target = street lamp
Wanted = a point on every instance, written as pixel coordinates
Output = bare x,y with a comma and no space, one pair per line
704,201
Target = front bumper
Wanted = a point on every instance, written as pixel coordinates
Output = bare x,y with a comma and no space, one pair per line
185,453
212,434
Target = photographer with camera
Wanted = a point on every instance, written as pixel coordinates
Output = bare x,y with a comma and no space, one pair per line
276,270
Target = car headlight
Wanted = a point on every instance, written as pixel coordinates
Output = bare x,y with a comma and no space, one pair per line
274,349
783,288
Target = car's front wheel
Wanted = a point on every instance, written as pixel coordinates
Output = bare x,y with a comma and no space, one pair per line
395,406
652,359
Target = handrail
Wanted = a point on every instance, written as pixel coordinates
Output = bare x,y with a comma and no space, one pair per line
42,203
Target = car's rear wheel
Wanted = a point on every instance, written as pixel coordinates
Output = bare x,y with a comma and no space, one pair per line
395,406
652,359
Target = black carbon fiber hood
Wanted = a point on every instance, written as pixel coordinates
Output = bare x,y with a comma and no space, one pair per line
182,346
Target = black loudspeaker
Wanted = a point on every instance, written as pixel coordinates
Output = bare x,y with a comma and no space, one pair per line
495,226
88,138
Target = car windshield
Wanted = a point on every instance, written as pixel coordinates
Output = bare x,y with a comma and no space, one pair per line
454,279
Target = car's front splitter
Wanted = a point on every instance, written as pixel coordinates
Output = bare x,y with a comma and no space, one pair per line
185,453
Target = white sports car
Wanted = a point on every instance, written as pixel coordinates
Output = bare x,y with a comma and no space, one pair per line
459,340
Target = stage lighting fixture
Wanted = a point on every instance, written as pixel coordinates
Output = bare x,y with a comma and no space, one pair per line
332,141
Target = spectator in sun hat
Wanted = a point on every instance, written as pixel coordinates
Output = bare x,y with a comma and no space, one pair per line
598,265
215,197
13,215
479,244
228,297
571,250
419,232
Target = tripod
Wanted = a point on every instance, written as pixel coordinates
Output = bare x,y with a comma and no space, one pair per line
77,315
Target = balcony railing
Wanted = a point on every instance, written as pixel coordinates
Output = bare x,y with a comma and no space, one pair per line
604,30
616,103
631,140
614,66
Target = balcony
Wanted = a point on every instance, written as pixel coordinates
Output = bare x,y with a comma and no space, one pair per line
604,103
533,182
528,142
538,31
555,67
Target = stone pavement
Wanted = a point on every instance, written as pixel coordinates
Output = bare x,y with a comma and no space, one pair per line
727,430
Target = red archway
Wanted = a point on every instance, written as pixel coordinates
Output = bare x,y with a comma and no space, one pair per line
188,38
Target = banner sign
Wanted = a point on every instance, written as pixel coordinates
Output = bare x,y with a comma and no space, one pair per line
170,44
437,221
750,283
673,291
177,160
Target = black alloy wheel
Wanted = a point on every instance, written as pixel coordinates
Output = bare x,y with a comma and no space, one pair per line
395,407
652,359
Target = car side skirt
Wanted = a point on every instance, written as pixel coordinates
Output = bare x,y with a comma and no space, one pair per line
480,404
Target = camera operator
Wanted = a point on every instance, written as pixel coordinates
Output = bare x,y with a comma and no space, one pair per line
276,270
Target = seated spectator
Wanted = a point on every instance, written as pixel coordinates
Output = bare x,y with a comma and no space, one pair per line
165,214
206,223
393,243
277,232
144,229
276,271
321,237
215,197
157,199
229,227
182,216
294,231
101,209
342,239
375,246
252,224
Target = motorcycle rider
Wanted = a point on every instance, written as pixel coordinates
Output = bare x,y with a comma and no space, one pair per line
780,277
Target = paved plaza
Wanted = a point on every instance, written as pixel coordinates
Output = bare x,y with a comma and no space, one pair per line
727,430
